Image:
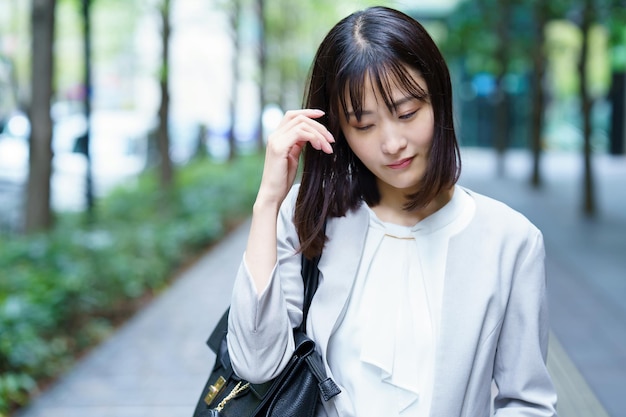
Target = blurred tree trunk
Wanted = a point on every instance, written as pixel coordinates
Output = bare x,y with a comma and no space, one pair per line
284,29
538,93
87,103
260,9
502,107
38,212
617,97
162,135
618,114
587,18
235,13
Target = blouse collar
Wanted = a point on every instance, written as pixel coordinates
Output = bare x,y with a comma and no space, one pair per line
436,221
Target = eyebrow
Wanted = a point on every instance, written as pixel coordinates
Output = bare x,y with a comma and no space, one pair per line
394,105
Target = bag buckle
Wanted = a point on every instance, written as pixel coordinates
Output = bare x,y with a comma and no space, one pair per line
214,390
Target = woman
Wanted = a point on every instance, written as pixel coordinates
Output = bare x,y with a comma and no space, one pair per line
430,295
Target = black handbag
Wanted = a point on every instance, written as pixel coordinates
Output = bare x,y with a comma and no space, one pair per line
296,392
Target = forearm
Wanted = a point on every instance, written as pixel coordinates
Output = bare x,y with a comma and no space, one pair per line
261,320
261,252
259,332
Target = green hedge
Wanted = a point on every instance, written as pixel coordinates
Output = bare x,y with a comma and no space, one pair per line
64,291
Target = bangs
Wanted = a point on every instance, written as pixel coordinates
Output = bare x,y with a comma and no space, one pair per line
384,78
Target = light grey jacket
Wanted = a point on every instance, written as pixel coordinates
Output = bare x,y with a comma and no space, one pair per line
494,325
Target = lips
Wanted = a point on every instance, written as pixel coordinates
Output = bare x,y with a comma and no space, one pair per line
402,163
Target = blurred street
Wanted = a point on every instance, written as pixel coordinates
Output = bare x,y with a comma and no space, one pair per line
157,363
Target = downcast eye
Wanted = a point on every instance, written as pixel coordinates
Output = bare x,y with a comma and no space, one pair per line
408,115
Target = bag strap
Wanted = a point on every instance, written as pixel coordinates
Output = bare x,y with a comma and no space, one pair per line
310,276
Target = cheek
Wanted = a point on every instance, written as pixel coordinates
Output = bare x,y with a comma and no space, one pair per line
427,130
428,137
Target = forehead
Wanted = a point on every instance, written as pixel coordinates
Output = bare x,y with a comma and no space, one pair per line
382,86
395,86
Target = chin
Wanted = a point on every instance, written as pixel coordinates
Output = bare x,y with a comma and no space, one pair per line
407,188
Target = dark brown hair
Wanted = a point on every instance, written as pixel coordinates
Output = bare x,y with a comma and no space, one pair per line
381,43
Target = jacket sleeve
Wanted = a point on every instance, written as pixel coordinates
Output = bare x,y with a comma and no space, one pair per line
260,338
520,373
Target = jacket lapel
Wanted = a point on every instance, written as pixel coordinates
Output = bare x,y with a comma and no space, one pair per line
465,318
338,267
450,357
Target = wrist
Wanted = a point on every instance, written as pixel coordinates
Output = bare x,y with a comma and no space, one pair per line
266,204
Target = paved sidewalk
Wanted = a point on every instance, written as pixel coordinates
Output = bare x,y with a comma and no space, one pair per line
157,363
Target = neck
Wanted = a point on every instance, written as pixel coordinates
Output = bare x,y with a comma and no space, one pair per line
391,208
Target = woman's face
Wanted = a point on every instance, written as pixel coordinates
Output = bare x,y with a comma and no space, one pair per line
393,144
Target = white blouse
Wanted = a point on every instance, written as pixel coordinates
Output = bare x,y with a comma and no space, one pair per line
382,354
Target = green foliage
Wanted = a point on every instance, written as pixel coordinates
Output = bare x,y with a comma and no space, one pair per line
617,36
473,40
64,291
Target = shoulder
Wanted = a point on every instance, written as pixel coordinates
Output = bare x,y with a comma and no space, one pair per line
490,210
495,216
499,235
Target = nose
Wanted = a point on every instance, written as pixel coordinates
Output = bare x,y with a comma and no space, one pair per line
393,140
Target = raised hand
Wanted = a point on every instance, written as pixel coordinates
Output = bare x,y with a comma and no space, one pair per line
281,164
283,150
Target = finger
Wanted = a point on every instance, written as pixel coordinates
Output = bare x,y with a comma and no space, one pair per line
312,113
311,131
312,135
307,116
